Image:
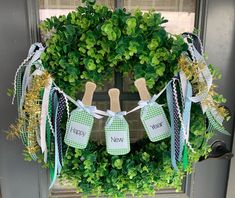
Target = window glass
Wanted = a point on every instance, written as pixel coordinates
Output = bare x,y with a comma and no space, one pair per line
48,8
180,13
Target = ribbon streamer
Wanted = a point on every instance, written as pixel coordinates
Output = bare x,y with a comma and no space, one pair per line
49,130
187,93
195,46
169,93
59,115
179,138
21,70
216,124
17,80
54,105
57,165
35,57
44,113
196,52
56,169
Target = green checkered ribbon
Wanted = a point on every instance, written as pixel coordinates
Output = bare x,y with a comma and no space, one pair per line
215,122
154,120
51,140
117,134
79,128
25,137
18,93
185,157
19,86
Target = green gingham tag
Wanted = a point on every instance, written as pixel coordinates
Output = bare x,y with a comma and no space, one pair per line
117,135
155,122
78,128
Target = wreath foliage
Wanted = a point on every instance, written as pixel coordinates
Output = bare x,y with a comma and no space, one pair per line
92,43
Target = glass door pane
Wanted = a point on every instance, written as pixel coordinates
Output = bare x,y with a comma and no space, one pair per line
48,8
179,13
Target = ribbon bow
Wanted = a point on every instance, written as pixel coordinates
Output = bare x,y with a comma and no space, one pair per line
92,110
145,104
113,115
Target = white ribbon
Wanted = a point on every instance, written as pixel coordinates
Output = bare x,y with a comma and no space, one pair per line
187,90
205,74
26,76
183,80
43,119
199,97
217,116
113,115
143,103
92,110
33,47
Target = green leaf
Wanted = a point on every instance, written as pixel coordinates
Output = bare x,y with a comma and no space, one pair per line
118,163
145,156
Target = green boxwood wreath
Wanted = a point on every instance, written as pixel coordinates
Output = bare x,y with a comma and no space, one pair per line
92,43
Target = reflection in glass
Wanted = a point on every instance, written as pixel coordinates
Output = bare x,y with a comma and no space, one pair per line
50,8
179,13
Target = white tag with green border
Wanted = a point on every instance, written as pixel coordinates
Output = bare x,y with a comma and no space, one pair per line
117,136
155,122
78,128
152,114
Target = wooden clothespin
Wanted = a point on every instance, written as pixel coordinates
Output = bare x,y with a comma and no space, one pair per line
114,100
89,92
142,89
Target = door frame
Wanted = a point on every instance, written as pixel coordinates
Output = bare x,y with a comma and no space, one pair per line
231,173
